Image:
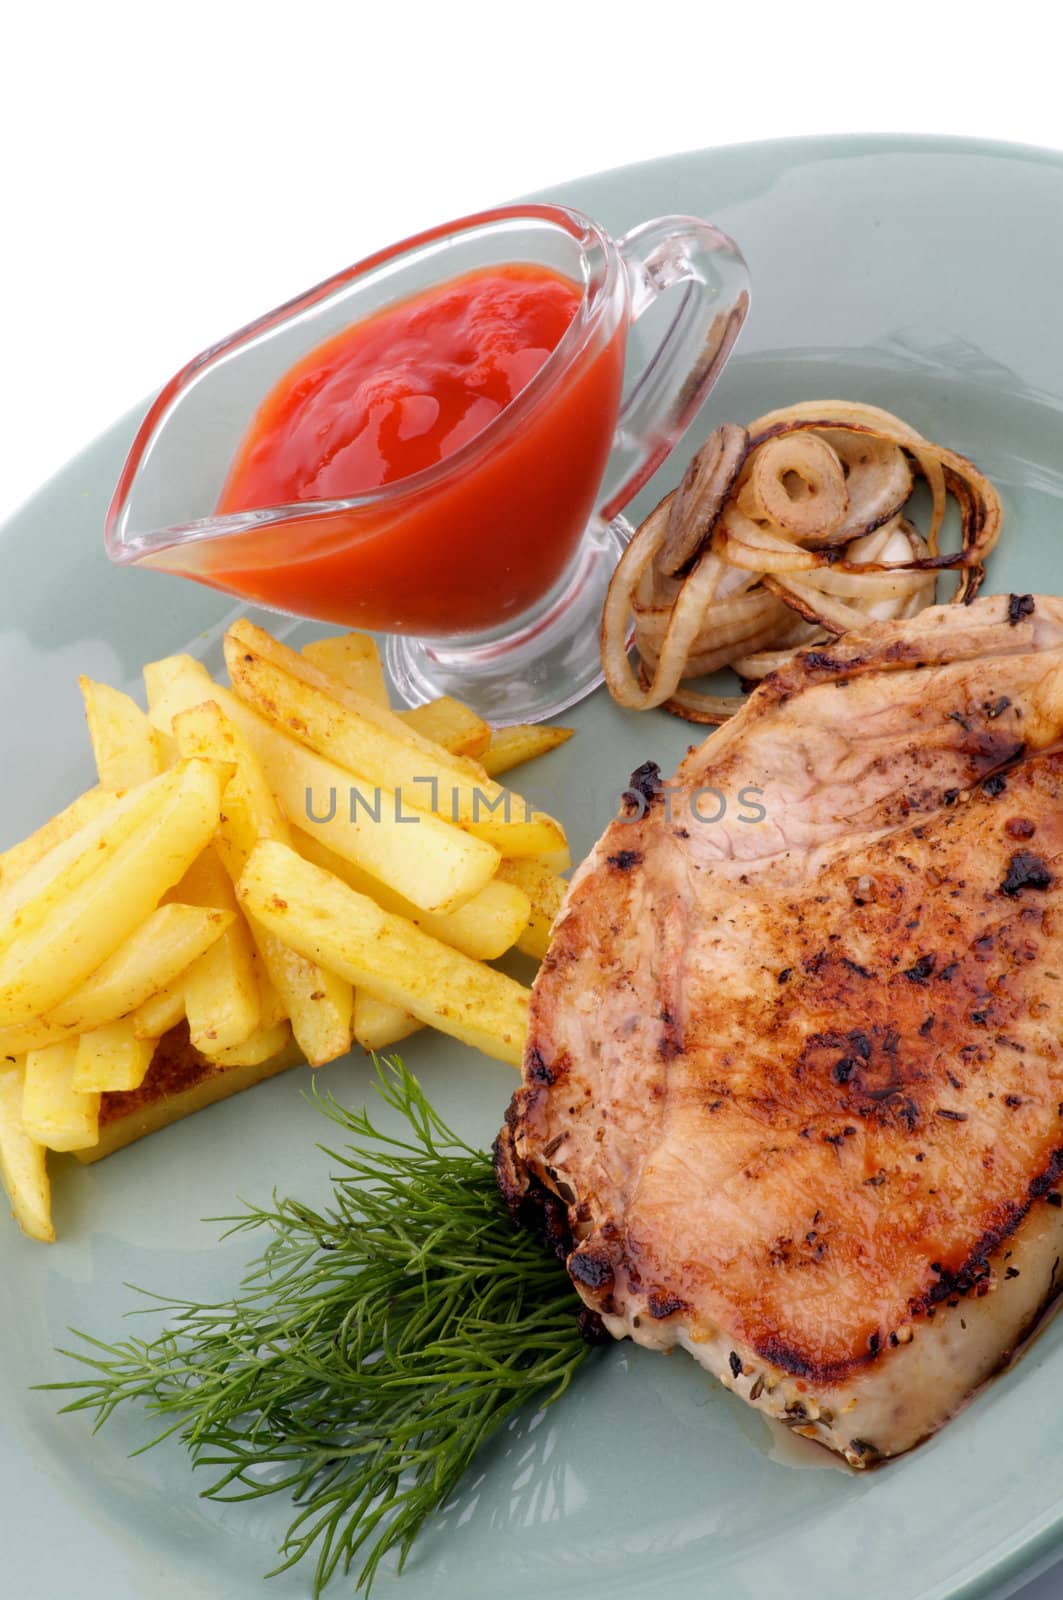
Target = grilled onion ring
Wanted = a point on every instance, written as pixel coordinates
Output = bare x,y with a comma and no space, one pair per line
797,482
782,535
706,484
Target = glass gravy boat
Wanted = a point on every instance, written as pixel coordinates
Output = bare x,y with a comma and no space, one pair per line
488,569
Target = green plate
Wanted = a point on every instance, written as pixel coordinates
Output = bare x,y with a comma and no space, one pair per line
922,275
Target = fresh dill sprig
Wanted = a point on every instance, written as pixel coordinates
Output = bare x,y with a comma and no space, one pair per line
371,1350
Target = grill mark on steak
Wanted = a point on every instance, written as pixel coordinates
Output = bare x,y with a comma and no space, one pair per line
1025,871
624,860
661,1306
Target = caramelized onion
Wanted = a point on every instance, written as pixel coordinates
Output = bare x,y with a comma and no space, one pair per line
706,484
780,536
797,482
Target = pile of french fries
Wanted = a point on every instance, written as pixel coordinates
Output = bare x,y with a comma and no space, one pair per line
279,867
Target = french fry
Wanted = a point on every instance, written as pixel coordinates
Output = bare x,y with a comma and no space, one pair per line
251,813
378,1024
221,988
556,860
59,938
318,1002
154,955
23,1169
180,1082
430,862
32,1035
485,927
60,871
123,740
352,659
263,1045
160,678
54,1113
243,640
449,723
378,747
348,933
221,998
167,941
111,1058
160,1013
545,891
17,860
271,1007
509,747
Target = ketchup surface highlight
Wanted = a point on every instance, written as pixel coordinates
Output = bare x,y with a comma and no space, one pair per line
402,390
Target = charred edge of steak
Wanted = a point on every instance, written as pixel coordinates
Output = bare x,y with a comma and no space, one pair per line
592,1329
593,1269
644,785
542,1072
971,1277
532,1206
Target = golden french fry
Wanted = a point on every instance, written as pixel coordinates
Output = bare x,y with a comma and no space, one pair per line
221,988
449,723
271,1007
485,927
221,998
302,665
378,1024
429,862
59,939
251,813
153,956
123,740
351,659
545,891
20,857
180,1082
23,1169
318,1002
167,941
509,747
262,1045
555,860
432,863
160,1013
379,748
111,1058
161,676
32,1035
61,870
54,1113
348,933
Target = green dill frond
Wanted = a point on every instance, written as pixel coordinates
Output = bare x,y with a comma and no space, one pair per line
371,1348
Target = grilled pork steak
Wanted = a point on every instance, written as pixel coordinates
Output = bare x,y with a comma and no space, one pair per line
793,1088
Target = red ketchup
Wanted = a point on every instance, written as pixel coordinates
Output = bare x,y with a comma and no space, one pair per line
399,393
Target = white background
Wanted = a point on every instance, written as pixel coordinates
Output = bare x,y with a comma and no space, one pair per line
168,171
